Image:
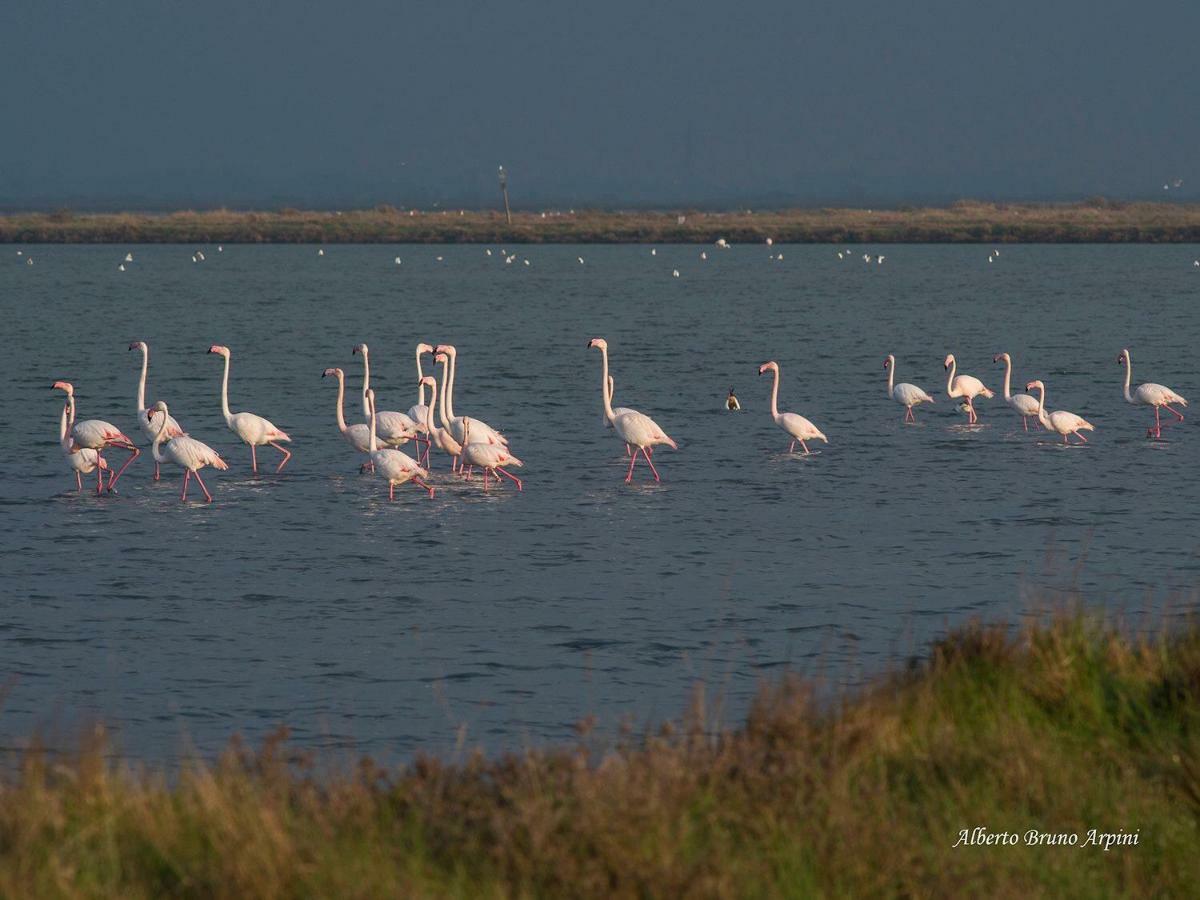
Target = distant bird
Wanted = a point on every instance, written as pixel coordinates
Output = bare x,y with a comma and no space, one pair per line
1065,423
438,258
639,432
128,257
580,258
722,243
150,425
770,241
320,252
488,252
1025,405
526,261
220,249
1150,394
97,435
397,260
20,253
704,254
121,267
252,429
866,257
186,452
796,426
199,256
966,386
653,252
29,260
839,254
394,466
879,259
731,402
674,273
1196,262
907,395
193,257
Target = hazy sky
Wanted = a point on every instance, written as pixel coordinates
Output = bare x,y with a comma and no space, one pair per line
152,103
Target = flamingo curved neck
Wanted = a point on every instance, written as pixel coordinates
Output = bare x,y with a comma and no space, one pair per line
445,417
775,396
448,375
608,410
62,431
366,382
341,416
1007,378
420,383
155,448
141,392
1128,378
225,395
950,378
429,426
374,440
1041,413
892,377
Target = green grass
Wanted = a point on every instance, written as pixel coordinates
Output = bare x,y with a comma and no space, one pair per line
962,222
1064,726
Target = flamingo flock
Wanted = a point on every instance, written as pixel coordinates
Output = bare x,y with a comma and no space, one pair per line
470,443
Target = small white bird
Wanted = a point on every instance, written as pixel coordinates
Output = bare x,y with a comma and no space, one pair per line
20,253
653,252
121,267
220,249
488,252
880,259
674,273
704,254
199,256
580,258
525,261
722,243
397,260
839,254
770,241
193,257
128,257
439,259
29,260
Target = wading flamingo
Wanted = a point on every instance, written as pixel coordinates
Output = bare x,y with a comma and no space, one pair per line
797,427
252,429
417,411
393,466
489,457
482,431
186,452
357,436
967,386
148,423
1150,394
639,432
907,395
617,410
439,437
96,434
446,439
83,462
1065,423
394,429
1025,405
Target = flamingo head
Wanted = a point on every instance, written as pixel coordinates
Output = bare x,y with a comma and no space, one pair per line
890,361
361,348
334,371
63,386
1123,357
949,361
1001,356
219,350
1035,386
766,367
598,342
428,381
424,348
440,357
448,349
138,345
159,407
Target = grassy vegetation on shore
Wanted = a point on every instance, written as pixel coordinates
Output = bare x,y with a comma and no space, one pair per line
964,222
1065,727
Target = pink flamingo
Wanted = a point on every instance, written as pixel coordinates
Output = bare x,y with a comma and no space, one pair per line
185,451
1150,394
489,457
96,434
82,461
638,431
145,419
254,430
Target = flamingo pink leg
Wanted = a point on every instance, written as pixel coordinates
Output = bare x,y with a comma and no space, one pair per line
287,454
134,453
650,462
1025,422
791,446
908,415
513,477
805,446
253,460
187,474
419,483
485,479
157,473
1169,409
203,487
78,482
99,475
391,491
629,474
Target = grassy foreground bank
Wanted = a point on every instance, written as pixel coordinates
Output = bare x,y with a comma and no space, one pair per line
964,222
1065,727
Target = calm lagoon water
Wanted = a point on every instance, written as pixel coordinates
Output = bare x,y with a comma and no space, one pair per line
503,619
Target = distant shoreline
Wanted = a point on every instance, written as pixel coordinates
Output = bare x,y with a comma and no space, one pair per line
965,222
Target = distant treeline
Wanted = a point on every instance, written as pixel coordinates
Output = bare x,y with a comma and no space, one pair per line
1097,221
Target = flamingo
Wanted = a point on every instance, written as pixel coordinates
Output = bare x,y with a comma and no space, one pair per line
394,466
417,411
907,395
252,429
1150,394
489,457
357,436
394,428
81,460
619,410
96,434
797,427
439,436
639,432
446,439
1025,405
186,452
484,433
149,426
966,386
1065,423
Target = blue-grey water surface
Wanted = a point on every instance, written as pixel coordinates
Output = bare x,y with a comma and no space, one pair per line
503,619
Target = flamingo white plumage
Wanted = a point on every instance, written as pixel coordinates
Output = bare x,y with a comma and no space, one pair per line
481,431
1061,421
1025,405
98,435
145,419
796,426
81,460
966,386
358,435
251,428
639,432
489,457
393,466
1150,394
184,451
907,395
394,429
440,437
417,412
